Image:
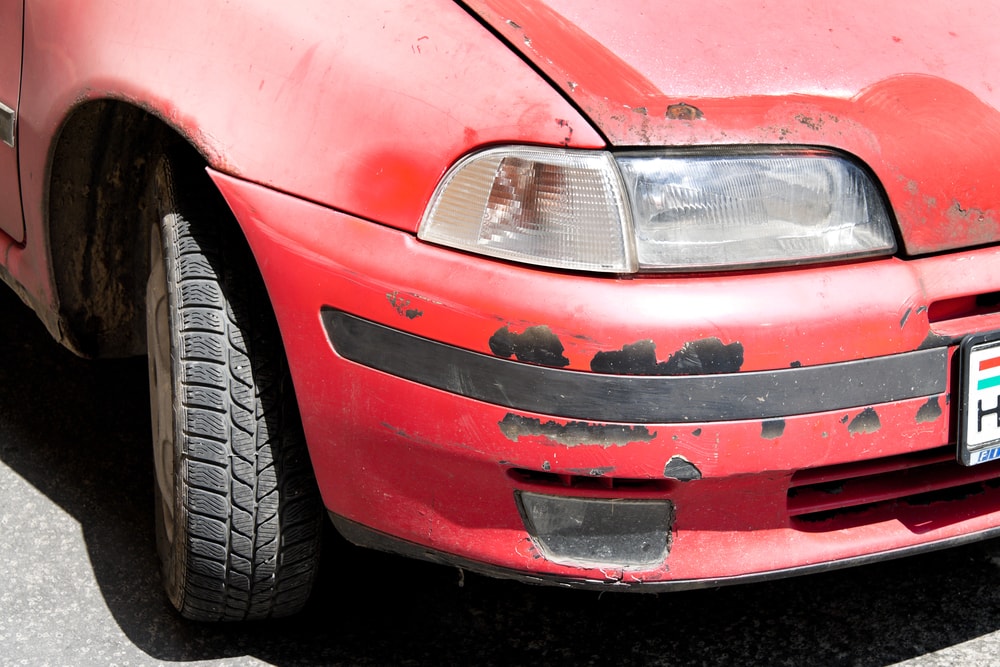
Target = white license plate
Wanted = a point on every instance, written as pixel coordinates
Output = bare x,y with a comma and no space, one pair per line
979,419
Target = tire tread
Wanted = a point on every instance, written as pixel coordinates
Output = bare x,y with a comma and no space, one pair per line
252,519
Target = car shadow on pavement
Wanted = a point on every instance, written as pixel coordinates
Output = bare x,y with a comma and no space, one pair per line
77,431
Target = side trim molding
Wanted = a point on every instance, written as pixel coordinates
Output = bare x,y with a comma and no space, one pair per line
634,398
7,118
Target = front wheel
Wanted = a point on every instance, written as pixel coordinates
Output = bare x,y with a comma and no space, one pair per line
237,510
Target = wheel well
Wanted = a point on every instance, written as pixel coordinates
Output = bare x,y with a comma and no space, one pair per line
101,208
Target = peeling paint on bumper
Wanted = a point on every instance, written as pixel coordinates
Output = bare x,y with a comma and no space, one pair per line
432,467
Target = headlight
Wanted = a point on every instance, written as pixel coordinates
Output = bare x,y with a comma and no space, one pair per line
714,212
681,211
550,207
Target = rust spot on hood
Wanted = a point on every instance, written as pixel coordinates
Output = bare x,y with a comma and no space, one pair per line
959,215
684,111
815,124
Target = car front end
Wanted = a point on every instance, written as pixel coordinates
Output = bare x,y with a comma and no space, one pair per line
632,295
724,345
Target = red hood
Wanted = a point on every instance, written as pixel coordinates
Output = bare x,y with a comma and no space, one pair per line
911,90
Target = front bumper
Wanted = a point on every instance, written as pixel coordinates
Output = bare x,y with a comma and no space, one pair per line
810,426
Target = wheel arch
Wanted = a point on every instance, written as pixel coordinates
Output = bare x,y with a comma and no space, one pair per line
100,209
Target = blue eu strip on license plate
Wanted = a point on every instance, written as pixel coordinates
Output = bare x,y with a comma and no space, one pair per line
979,413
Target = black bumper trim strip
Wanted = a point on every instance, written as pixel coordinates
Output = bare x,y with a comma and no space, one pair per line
637,399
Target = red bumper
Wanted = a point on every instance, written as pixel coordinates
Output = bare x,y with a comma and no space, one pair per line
811,426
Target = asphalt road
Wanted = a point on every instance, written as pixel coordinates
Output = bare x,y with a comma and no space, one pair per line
79,582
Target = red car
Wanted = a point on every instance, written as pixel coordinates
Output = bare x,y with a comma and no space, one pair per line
632,295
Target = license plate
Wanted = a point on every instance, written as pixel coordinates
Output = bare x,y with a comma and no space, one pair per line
979,422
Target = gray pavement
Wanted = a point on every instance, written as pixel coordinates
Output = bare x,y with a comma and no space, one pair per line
79,585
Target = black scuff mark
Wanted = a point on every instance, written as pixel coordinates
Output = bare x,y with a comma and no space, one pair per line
772,429
681,469
707,356
906,316
696,433
843,420
569,131
684,111
935,340
546,466
574,433
929,411
641,110
402,306
535,345
427,442
795,364
866,421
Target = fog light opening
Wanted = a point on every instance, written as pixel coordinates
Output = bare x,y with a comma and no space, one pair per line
598,532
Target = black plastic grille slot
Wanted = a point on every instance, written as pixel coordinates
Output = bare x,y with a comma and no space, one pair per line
594,481
919,478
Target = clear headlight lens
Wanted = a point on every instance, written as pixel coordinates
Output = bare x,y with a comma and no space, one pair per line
591,211
708,212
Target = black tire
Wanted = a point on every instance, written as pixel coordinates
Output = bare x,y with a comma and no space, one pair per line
237,510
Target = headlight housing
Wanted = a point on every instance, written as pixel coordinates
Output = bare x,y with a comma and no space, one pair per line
660,211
